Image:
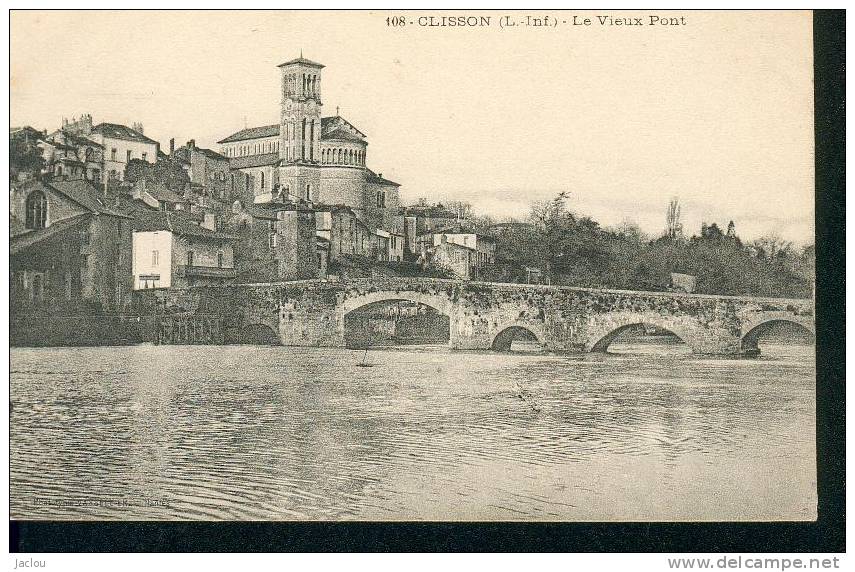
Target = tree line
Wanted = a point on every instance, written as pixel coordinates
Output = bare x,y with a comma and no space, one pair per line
576,250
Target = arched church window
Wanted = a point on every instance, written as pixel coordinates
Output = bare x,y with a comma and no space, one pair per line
36,206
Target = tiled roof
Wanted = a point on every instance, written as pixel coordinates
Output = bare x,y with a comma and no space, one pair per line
162,194
328,125
21,242
258,211
301,60
27,131
333,122
211,154
378,180
252,133
253,160
454,245
341,134
432,211
75,139
60,145
84,194
176,223
183,154
116,131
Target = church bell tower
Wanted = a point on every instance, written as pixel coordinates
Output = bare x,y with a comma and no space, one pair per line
300,129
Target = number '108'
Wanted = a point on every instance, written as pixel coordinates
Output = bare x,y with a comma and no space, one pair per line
396,21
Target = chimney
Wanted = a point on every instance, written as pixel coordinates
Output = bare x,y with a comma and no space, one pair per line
171,146
191,144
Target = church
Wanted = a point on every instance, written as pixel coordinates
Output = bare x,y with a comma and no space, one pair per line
308,158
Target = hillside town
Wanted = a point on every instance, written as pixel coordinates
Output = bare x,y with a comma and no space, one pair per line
100,210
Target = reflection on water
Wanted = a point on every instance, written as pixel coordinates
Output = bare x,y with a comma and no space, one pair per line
240,432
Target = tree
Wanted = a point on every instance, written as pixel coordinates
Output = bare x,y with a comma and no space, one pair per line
462,209
24,156
673,227
771,246
551,222
711,232
137,169
166,172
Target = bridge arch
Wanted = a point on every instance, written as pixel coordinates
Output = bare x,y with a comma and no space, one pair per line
604,329
442,304
439,303
752,329
505,334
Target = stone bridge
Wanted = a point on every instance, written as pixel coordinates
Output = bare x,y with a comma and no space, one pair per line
562,319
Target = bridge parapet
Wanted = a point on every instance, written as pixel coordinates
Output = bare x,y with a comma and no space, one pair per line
563,318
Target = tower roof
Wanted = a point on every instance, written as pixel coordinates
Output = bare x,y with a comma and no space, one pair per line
303,61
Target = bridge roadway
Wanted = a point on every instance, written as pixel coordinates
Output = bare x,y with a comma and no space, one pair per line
482,315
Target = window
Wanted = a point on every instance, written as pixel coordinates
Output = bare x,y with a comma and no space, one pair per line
144,156
89,154
36,210
381,199
271,225
113,154
190,258
272,241
262,180
308,192
220,260
129,156
154,257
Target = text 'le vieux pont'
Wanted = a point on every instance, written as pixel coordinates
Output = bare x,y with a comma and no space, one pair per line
540,21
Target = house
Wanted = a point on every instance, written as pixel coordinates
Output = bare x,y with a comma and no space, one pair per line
74,156
396,246
121,144
380,248
346,232
463,251
157,197
423,218
171,251
682,283
460,260
209,172
70,252
276,242
484,245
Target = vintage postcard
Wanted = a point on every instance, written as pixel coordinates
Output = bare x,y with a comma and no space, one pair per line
412,266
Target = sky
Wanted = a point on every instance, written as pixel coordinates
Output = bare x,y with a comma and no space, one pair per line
717,112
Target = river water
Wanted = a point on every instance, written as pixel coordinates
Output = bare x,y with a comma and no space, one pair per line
281,433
